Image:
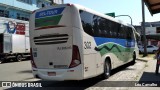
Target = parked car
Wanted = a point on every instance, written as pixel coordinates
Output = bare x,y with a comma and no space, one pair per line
150,49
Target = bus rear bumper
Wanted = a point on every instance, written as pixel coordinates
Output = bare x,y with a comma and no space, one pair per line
59,74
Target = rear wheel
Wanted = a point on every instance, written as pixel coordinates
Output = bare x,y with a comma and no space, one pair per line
134,59
107,69
19,58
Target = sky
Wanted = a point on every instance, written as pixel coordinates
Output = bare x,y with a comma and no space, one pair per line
132,8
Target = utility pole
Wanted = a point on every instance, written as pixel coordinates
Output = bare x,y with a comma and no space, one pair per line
143,29
52,2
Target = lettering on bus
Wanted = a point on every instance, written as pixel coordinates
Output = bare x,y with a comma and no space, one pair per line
87,45
48,13
64,48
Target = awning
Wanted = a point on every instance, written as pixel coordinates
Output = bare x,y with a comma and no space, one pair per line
153,6
1,4
154,36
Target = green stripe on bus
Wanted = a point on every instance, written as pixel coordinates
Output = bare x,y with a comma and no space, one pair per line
47,21
121,52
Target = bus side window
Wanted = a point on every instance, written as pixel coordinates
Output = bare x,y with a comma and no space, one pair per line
118,31
86,19
132,34
122,32
102,27
95,25
115,30
128,33
107,29
110,29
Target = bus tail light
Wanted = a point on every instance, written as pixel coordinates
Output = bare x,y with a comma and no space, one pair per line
76,60
32,61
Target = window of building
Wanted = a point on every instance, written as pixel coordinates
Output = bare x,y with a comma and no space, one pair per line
22,17
4,13
158,30
42,3
26,1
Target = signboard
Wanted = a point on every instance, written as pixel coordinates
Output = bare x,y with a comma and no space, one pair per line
51,17
111,14
20,28
15,27
151,30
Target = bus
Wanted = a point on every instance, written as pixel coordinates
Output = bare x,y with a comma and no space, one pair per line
72,42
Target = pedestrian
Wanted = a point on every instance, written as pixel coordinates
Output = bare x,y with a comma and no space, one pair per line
158,58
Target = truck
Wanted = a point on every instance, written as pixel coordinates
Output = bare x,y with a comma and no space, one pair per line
14,40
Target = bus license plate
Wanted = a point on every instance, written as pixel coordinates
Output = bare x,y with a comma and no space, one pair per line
51,73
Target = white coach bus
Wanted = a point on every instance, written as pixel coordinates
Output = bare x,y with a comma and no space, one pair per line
71,42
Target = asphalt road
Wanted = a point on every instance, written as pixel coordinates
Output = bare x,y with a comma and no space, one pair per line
15,71
21,71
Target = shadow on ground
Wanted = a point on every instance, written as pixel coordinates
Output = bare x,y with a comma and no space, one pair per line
150,76
26,71
13,61
71,85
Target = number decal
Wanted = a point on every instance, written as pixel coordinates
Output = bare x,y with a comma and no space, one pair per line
87,45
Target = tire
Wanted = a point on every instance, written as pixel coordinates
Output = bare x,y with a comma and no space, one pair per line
1,61
19,58
140,52
134,59
107,69
154,51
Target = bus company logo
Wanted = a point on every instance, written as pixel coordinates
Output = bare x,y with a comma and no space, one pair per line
6,84
51,17
49,12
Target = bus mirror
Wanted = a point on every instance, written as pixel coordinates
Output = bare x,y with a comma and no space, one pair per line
137,35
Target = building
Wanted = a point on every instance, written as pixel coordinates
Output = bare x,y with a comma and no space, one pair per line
152,32
14,27
21,9
14,14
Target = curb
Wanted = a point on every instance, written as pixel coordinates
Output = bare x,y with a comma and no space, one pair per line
141,59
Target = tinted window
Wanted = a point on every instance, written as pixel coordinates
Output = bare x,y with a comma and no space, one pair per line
26,1
87,22
100,27
149,46
121,32
130,33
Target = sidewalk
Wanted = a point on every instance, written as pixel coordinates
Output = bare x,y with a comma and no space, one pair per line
148,74
147,58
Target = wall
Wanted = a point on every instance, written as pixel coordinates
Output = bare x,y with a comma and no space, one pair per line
18,4
150,30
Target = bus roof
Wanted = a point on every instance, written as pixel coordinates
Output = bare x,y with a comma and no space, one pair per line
79,7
